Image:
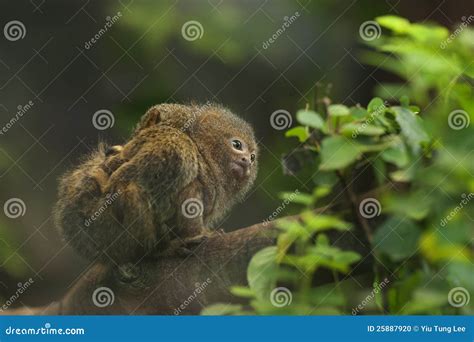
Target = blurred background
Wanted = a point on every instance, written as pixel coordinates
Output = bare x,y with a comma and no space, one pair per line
76,58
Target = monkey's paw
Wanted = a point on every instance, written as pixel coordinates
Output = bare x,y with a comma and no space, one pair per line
185,247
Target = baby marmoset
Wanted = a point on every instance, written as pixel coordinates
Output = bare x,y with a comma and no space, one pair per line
183,168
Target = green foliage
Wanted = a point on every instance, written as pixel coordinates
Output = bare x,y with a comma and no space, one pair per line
423,189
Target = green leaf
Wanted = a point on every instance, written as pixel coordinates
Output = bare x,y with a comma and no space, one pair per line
323,256
414,205
300,132
425,301
262,272
323,178
396,154
292,231
376,105
411,128
402,176
358,112
338,110
222,309
310,118
321,191
317,222
338,152
428,33
302,198
394,23
355,129
397,238
242,291
325,296
295,197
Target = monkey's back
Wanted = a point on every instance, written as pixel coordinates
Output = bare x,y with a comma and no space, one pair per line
128,210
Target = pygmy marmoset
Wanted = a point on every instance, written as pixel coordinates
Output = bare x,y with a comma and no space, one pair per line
179,173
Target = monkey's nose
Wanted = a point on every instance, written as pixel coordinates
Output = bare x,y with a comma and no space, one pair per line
246,161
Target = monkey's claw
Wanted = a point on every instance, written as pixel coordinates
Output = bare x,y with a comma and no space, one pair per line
113,150
189,245
195,241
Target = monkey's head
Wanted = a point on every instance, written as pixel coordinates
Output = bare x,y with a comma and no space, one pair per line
226,141
228,144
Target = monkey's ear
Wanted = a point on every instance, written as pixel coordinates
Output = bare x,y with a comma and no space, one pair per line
151,117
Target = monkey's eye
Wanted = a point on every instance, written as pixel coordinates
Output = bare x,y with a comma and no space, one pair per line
252,157
237,144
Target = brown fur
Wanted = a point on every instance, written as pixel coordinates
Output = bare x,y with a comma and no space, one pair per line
176,153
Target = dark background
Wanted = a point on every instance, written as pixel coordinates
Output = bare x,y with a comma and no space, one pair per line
144,60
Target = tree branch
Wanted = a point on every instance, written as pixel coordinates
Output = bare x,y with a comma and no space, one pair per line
182,285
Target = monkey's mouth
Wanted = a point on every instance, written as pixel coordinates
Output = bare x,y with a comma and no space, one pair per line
239,169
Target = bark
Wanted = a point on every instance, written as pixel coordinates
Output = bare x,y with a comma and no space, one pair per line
181,285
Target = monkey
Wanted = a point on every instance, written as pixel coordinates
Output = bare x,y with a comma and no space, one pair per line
180,172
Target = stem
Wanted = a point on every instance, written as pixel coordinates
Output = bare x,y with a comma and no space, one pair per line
353,201
368,232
